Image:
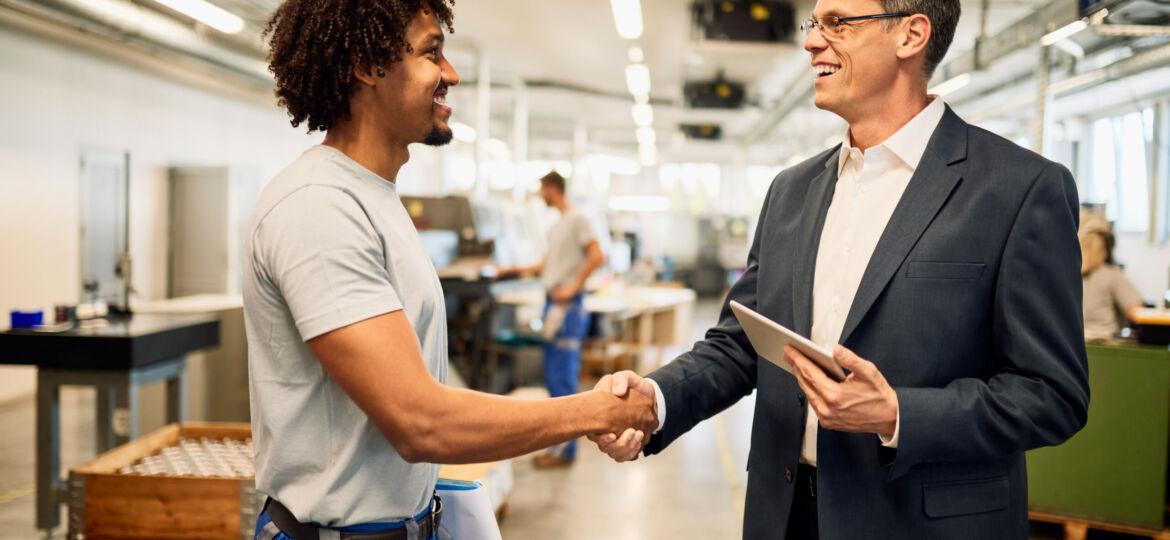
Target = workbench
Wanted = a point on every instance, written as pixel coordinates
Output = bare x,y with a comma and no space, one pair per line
116,359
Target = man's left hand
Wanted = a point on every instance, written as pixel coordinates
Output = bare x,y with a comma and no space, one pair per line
564,293
863,403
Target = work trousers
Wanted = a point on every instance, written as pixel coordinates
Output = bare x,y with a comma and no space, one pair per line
562,359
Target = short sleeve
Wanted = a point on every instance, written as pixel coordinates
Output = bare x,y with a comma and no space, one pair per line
583,230
1124,293
322,253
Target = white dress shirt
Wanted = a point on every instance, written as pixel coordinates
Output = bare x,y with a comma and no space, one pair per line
869,186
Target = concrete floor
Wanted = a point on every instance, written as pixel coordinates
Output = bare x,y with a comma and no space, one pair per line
695,489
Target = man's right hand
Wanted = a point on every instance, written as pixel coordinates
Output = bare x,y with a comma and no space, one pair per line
628,445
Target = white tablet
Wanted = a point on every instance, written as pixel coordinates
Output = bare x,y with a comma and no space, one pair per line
769,339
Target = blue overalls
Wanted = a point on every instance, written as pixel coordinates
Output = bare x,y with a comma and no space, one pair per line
562,360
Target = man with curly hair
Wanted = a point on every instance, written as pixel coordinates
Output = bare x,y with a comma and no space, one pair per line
344,312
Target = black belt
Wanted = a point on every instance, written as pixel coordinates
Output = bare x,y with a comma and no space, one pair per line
289,525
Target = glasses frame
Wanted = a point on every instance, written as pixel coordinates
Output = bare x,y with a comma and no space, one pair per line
815,22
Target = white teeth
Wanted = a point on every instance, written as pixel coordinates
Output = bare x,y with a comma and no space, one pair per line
825,69
441,100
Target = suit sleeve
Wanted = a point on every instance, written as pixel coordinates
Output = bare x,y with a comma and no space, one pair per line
720,369
1039,393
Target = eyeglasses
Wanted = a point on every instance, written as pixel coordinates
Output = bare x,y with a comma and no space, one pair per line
831,24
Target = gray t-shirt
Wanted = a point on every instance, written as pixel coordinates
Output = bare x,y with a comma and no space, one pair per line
1107,293
567,241
330,244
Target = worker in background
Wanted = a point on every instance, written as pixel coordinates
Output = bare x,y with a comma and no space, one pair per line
1110,298
573,255
347,336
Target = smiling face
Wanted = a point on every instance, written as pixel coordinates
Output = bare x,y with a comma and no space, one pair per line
855,68
415,93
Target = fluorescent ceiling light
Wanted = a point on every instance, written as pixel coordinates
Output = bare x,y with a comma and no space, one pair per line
1071,47
627,15
463,132
645,135
647,154
643,114
206,13
638,79
1066,31
636,55
639,203
951,85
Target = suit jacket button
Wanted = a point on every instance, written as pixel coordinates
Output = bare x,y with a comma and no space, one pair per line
800,398
788,474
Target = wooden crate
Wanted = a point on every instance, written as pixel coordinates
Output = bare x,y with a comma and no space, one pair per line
105,504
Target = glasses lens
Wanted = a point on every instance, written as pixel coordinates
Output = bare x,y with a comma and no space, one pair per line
831,24
807,26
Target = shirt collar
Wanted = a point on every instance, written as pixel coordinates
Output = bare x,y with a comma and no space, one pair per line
909,142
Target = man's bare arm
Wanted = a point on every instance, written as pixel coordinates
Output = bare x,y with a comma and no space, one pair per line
377,362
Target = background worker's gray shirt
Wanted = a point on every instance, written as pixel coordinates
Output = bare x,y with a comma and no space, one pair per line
330,244
567,241
1107,293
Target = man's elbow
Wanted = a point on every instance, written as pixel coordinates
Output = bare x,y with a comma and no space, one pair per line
415,441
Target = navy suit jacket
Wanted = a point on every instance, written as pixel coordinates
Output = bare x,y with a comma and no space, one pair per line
971,309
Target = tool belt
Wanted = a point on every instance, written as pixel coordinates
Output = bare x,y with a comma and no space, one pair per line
284,520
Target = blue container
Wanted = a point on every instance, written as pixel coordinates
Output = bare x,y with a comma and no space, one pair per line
26,319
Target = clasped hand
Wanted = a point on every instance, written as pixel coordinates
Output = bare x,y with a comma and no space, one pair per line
627,445
863,403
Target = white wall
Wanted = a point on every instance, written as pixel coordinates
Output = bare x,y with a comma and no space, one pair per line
56,100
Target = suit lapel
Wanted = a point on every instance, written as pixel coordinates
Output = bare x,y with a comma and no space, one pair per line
816,206
928,190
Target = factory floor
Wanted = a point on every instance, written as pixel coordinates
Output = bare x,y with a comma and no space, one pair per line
695,489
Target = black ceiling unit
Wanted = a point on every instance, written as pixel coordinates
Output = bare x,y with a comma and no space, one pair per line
716,94
767,21
1141,12
706,132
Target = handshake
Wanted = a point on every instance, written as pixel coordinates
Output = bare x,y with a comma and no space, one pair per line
626,445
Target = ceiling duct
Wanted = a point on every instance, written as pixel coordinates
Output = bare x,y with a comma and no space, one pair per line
1141,12
127,24
766,21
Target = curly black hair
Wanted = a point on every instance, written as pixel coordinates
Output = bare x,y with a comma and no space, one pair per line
315,45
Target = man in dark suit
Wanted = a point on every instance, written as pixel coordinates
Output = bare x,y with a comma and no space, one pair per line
943,260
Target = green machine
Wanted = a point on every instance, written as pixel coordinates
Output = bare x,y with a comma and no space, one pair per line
1114,470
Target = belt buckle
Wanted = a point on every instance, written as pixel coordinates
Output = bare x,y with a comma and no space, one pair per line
436,510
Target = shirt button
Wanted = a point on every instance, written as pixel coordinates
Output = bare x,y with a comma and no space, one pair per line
788,474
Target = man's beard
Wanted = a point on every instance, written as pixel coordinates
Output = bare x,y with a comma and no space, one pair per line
438,136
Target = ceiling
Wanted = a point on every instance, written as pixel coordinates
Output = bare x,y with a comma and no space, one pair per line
574,61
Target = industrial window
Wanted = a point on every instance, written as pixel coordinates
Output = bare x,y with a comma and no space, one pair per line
1120,170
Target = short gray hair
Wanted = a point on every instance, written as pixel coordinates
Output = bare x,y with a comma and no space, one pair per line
944,17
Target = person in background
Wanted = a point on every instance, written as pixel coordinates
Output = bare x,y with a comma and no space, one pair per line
347,335
573,255
1109,295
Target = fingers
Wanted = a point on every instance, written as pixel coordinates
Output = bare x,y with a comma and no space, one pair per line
627,447
606,383
850,361
808,371
621,383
